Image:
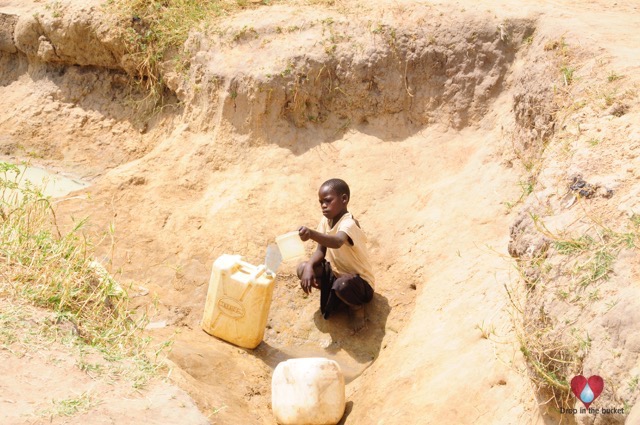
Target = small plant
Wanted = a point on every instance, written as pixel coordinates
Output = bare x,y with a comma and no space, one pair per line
245,32
486,330
583,344
611,304
70,406
613,77
328,21
549,362
599,266
579,105
567,75
550,359
560,45
527,188
35,155
573,246
609,98
216,410
288,70
594,141
55,7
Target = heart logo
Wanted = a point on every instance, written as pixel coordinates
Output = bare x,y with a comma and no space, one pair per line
587,390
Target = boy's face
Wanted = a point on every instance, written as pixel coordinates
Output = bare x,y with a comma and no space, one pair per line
331,203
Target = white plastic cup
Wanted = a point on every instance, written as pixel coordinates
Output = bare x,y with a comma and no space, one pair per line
290,246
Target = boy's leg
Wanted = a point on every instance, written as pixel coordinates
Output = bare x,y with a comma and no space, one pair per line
324,279
355,292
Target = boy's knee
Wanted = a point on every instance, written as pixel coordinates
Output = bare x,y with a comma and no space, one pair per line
352,290
340,286
317,270
342,289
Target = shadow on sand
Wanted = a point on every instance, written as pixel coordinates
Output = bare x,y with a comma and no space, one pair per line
354,353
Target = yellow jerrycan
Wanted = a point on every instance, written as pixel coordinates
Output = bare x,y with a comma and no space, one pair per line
238,301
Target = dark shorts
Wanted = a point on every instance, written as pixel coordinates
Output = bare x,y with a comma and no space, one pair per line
350,287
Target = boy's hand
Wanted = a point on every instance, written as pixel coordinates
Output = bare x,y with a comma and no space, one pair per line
308,280
304,233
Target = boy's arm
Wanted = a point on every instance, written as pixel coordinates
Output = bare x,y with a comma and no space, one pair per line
318,255
327,241
308,278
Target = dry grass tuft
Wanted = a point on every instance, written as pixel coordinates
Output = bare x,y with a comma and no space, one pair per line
155,32
76,299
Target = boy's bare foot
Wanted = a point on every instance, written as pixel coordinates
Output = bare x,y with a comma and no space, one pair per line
358,319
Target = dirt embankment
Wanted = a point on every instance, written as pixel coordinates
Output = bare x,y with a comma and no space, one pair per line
440,118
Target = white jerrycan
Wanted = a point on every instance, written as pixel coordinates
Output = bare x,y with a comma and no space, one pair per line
308,391
238,301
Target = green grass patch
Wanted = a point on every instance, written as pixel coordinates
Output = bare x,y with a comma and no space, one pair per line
549,361
155,31
567,75
572,246
70,406
613,76
55,272
594,254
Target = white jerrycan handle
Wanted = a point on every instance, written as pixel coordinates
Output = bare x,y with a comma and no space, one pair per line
259,271
255,274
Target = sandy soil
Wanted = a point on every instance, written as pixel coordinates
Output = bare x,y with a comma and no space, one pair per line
432,190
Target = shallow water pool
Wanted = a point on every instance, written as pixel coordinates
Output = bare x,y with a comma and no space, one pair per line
51,183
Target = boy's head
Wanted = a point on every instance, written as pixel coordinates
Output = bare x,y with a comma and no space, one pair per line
334,197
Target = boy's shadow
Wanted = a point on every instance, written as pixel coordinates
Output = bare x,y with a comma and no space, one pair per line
363,346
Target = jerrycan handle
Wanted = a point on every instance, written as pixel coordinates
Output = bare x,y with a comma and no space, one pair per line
249,269
259,271
244,267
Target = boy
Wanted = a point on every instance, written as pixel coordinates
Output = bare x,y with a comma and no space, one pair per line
341,244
